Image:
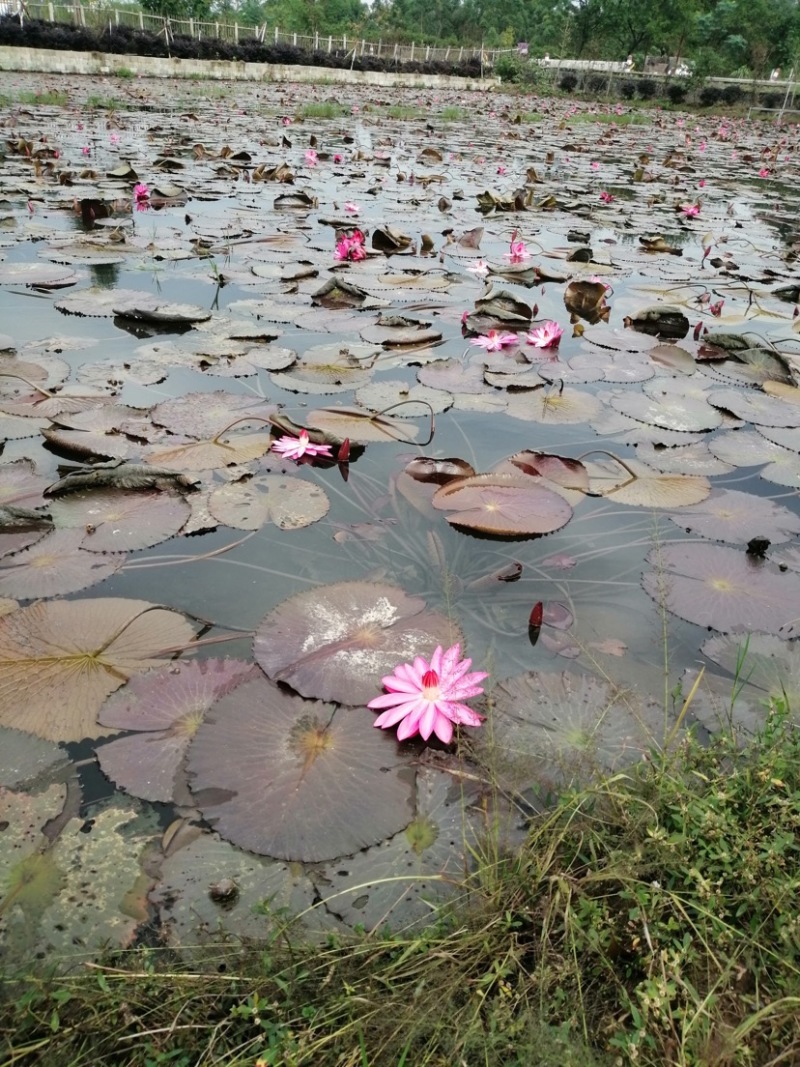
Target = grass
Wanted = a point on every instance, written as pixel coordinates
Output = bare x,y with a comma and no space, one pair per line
402,111
50,97
453,114
325,109
103,103
650,919
628,118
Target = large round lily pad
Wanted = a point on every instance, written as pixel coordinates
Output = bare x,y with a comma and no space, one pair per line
297,780
115,520
722,588
504,505
290,503
59,660
729,515
403,882
55,565
337,641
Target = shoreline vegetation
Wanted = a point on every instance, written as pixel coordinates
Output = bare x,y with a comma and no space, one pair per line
650,918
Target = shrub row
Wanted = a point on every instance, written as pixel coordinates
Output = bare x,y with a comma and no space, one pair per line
123,40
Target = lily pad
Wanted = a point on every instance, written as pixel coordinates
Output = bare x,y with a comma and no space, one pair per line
112,520
404,882
263,759
728,515
337,641
721,588
289,503
59,660
165,708
504,505
55,565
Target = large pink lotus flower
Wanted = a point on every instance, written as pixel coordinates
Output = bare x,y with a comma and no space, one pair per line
547,335
426,698
494,341
350,247
298,447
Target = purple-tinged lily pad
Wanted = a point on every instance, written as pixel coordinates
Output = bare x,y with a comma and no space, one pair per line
288,778
112,520
337,641
165,709
289,503
728,515
502,505
722,588
207,414
55,565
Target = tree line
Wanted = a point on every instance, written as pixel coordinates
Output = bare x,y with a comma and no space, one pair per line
724,37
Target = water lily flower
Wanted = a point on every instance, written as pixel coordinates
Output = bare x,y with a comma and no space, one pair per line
479,267
517,253
297,447
606,197
351,208
286,120
427,697
311,157
716,308
547,335
115,138
337,157
350,247
495,341
595,165
691,210
86,150
501,170
764,172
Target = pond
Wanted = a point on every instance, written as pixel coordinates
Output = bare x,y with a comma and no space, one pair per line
550,354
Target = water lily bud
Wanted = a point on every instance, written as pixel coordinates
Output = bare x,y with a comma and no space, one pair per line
343,455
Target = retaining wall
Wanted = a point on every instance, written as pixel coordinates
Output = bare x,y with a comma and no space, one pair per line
47,61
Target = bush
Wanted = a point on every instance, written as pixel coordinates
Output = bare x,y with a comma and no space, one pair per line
596,83
709,95
647,88
568,82
731,94
628,89
676,92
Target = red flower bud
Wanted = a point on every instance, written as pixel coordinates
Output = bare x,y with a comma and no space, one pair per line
343,455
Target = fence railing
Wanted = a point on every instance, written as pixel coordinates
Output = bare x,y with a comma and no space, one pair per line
102,18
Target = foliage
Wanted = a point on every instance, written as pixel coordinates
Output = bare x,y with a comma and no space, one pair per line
648,919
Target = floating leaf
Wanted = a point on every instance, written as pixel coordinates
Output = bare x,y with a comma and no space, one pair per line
550,727
763,663
290,503
360,427
337,641
55,565
113,520
551,405
728,515
261,750
404,881
438,471
721,588
756,407
209,890
165,707
202,415
637,485
504,505
59,660
227,450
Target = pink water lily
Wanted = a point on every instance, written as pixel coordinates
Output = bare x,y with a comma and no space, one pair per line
494,341
517,252
427,697
691,210
311,157
351,208
547,335
298,447
479,267
606,197
350,247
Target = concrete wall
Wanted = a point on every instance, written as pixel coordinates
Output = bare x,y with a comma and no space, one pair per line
49,61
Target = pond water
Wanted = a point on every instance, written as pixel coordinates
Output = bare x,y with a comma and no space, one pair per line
188,639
